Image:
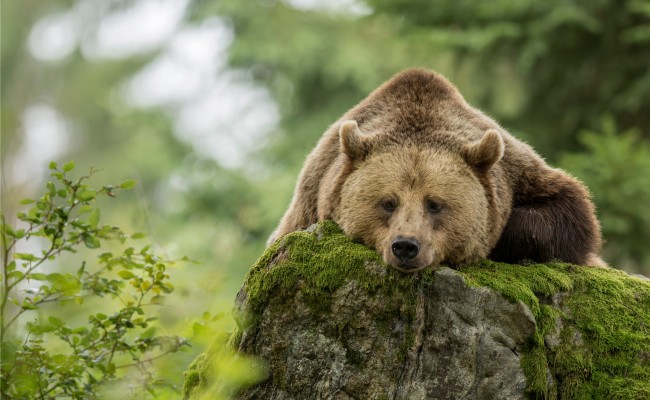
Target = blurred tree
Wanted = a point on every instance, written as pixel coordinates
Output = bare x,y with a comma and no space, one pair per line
574,60
317,63
188,204
617,167
545,70
175,202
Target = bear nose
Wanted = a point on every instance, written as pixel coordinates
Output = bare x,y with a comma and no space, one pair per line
405,248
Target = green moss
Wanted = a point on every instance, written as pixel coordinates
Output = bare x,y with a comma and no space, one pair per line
196,374
599,318
605,320
320,262
192,379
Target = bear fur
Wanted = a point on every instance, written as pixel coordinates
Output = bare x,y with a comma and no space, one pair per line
424,178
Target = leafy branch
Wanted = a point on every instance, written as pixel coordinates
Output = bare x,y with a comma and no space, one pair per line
64,219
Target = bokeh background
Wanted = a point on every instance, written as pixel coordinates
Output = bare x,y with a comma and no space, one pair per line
212,106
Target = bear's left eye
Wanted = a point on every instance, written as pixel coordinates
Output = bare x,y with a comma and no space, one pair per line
389,205
433,207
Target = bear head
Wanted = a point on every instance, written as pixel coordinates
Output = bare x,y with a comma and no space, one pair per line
417,203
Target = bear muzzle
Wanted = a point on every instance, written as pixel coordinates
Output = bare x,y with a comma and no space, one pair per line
405,251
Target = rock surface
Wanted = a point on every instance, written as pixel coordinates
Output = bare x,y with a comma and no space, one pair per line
457,342
333,322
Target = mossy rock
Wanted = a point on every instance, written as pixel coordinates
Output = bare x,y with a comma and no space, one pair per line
331,320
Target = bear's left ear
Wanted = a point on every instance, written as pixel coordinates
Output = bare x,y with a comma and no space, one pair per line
484,153
353,142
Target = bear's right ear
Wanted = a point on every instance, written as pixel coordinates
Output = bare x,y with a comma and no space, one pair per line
353,142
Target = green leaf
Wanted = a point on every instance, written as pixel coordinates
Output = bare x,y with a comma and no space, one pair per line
93,219
32,214
17,275
55,321
8,230
11,266
27,201
91,241
25,256
68,166
67,284
51,188
59,361
38,328
85,209
37,276
26,305
145,249
55,277
124,274
52,165
104,257
81,269
86,195
138,235
128,184
149,333
82,330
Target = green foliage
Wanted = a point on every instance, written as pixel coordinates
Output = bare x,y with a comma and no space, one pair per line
616,167
90,355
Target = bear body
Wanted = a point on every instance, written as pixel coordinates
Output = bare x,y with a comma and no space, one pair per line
418,174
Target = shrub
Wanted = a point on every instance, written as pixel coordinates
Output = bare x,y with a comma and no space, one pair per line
46,357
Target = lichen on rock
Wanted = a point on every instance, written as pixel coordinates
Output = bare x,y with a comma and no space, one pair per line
332,321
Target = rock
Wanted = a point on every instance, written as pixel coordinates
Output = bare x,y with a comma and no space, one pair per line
333,322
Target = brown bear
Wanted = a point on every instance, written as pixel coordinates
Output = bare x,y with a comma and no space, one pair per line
424,178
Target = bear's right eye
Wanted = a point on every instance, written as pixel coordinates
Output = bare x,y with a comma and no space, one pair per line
389,205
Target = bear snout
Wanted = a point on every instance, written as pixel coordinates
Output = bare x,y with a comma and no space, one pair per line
405,249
